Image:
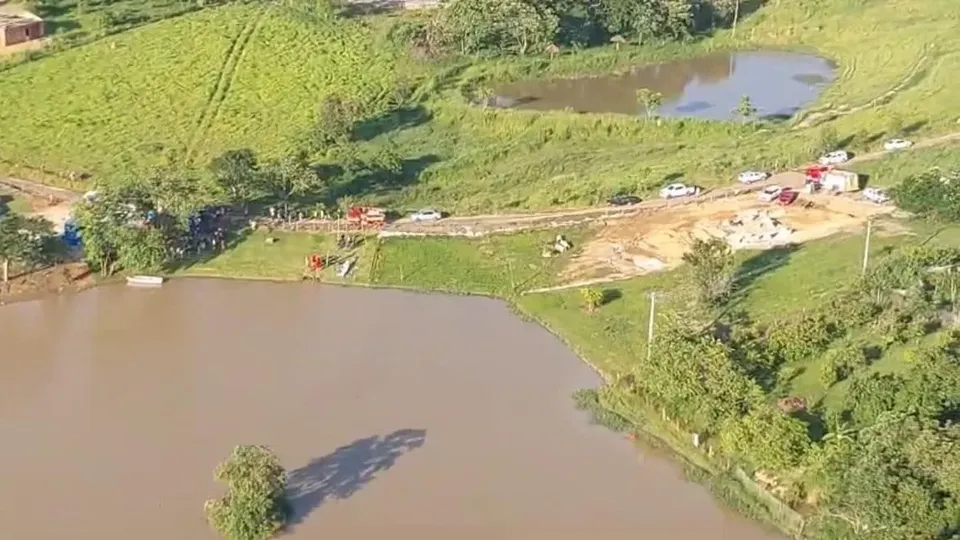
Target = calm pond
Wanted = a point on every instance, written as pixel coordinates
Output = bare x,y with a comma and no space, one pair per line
709,87
399,415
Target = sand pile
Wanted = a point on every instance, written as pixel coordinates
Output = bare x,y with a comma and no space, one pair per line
756,229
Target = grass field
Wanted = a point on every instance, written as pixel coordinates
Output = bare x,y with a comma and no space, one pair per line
181,90
502,265
253,76
252,257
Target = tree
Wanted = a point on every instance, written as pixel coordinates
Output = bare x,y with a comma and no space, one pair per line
713,269
141,249
650,100
254,507
289,177
236,172
646,20
766,437
745,109
23,241
932,194
334,122
592,298
501,26
115,231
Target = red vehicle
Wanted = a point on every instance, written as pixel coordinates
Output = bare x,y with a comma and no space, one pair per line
815,173
787,197
362,217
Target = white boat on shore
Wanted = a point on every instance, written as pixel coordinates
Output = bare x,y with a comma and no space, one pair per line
152,281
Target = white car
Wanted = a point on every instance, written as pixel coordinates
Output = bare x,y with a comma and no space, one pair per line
770,193
427,214
750,177
678,189
897,144
834,158
876,195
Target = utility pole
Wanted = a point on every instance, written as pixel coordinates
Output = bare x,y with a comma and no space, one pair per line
653,311
866,249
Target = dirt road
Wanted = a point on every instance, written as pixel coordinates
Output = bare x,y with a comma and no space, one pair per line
499,223
480,225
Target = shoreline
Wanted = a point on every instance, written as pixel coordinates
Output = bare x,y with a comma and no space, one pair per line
725,487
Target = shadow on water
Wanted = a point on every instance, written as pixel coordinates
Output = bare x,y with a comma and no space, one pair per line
347,470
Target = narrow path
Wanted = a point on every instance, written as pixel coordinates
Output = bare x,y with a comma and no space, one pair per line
227,75
925,143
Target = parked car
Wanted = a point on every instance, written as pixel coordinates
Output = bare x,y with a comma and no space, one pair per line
834,158
678,189
897,144
623,200
751,177
770,193
787,197
427,214
876,195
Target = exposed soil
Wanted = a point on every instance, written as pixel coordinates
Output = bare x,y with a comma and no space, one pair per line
68,277
636,246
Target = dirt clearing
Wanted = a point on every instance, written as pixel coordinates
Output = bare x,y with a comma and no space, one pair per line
640,245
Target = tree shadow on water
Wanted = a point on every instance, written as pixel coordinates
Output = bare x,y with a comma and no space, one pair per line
347,470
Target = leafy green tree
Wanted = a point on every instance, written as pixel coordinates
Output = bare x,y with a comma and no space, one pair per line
650,100
115,233
647,20
745,109
500,26
236,172
799,337
931,194
289,177
254,507
591,298
334,124
141,249
713,268
24,241
767,437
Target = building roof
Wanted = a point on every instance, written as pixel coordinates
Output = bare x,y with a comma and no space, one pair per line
15,16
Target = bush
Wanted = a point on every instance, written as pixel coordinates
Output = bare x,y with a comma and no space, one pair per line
591,298
931,194
801,337
254,507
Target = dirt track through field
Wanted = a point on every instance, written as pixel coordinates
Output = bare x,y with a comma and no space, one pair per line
228,72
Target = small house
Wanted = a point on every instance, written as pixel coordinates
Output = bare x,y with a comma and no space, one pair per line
19,26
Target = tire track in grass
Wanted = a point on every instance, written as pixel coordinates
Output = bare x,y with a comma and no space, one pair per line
225,79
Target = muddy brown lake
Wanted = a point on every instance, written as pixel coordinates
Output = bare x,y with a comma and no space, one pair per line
398,415
709,87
